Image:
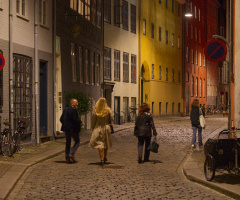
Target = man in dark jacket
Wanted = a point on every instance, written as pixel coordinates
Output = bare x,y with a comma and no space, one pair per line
71,125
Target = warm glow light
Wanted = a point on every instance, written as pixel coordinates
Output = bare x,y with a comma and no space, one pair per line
188,15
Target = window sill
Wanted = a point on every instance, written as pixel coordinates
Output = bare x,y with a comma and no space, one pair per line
23,17
44,26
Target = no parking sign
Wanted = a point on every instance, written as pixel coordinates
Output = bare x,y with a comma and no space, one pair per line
2,62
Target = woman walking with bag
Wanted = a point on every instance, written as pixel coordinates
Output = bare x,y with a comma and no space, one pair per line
194,116
143,131
101,135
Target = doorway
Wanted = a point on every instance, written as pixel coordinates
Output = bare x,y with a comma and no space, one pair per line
43,98
116,110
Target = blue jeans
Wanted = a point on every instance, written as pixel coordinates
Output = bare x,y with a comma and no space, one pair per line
199,128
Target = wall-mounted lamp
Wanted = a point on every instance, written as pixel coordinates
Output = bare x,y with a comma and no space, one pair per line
188,12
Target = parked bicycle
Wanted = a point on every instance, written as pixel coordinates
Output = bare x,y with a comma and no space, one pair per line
10,144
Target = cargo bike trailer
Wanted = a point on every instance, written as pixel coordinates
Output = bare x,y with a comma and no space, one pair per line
222,153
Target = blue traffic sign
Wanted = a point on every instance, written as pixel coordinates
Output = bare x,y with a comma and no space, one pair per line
215,50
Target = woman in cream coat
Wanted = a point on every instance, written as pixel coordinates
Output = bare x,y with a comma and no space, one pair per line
101,135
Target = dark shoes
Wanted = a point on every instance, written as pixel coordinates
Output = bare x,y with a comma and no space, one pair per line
72,157
140,161
68,162
146,160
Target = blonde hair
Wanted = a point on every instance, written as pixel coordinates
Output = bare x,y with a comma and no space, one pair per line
101,108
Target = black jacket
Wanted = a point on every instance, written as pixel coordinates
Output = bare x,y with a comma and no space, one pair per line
194,116
144,125
70,120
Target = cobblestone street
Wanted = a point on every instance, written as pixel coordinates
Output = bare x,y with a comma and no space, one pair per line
122,177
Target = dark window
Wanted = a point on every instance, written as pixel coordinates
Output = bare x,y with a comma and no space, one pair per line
179,10
92,69
152,30
93,11
116,65
133,18
144,27
99,14
87,9
166,37
166,74
160,1
125,15
87,65
80,62
125,67
133,68
107,63
166,3
117,7
173,5
97,64
160,34
107,11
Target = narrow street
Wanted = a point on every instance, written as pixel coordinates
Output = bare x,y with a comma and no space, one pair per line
122,177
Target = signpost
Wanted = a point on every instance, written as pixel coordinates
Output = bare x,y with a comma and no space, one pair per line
215,50
2,62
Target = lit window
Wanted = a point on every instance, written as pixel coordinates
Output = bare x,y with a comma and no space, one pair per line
73,58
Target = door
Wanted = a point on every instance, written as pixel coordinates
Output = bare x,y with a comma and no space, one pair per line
125,109
187,100
43,98
116,110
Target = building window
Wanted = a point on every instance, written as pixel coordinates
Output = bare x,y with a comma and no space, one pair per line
166,3
196,87
117,7
80,6
43,12
200,59
195,12
173,6
93,11
172,39
199,15
192,86
179,107
160,108
204,61
73,59
107,11
125,67
192,57
107,63
133,68
173,75
199,37
187,29
166,74
166,107
179,10
196,34
191,32
125,15
173,108
92,69
87,67
204,88
73,4
21,7
178,42
116,65
179,77
160,34
1,86
160,1
160,73
99,14
152,71
187,76
80,62
166,37
97,64
200,86
133,18
152,30
187,54
144,27
87,9
196,57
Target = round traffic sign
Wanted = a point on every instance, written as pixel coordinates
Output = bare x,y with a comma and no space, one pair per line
2,62
215,50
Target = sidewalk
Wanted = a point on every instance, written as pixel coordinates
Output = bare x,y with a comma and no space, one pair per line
193,168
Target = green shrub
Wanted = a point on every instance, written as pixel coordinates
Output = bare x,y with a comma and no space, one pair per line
84,101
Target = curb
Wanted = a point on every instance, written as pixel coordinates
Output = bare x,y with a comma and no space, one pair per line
193,173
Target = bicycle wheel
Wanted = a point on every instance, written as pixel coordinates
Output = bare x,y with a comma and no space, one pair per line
5,146
15,144
209,167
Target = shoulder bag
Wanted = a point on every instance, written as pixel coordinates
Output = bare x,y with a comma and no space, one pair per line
154,145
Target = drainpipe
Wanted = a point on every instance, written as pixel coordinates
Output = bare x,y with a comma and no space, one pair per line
54,68
11,114
36,84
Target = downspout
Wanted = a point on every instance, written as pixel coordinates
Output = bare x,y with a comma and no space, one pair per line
36,84
54,68
103,84
11,113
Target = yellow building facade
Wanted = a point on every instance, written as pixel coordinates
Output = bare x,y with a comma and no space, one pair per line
160,66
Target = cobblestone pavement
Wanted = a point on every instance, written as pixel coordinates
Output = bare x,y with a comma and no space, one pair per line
122,177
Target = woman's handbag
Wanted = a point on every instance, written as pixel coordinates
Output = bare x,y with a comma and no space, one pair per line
201,119
154,145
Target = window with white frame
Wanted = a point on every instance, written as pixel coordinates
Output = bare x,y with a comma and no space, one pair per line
200,88
152,71
21,7
196,87
125,67
160,72
107,63
80,63
133,68
116,65
43,12
144,27
73,59
200,59
172,39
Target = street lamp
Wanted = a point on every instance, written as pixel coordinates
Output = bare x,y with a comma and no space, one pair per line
188,12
